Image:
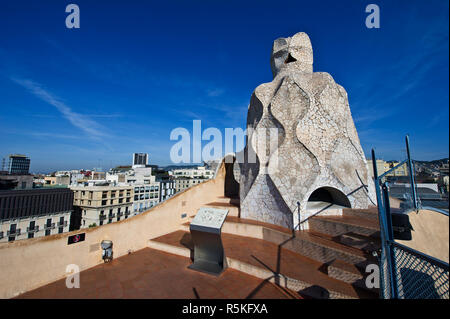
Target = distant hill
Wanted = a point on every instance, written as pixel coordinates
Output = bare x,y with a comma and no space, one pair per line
438,162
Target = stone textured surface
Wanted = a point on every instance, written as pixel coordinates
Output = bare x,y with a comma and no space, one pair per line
315,143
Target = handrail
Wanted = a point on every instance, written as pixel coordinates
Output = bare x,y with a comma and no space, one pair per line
391,288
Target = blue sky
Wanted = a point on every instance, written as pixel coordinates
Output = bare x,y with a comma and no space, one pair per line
135,70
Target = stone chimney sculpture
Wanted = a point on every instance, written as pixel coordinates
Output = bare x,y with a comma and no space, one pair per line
317,150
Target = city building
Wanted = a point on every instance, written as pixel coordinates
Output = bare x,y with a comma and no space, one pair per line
140,159
17,181
199,172
34,213
166,189
146,188
383,166
183,183
18,164
400,171
57,180
96,205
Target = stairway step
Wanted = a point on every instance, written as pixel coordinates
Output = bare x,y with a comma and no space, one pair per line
344,271
339,225
323,249
307,243
351,274
364,243
176,250
271,262
369,213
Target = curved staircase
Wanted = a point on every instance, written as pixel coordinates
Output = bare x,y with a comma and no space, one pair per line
326,261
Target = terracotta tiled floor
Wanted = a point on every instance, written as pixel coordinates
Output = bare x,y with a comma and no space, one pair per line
267,255
149,273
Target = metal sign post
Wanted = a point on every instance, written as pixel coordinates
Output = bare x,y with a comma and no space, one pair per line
205,230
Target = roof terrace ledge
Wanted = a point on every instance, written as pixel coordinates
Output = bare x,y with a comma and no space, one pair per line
50,255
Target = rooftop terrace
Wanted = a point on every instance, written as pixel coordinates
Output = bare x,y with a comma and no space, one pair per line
153,250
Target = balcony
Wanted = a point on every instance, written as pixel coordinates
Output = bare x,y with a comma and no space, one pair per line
62,224
51,226
13,233
35,229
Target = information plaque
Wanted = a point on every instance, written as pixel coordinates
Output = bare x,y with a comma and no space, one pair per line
205,230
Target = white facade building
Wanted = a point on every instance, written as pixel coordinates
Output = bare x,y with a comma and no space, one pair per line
199,172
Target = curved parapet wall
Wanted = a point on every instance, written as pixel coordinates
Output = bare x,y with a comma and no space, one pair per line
32,263
314,145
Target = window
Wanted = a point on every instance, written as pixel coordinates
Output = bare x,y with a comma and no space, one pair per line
12,231
61,225
110,216
31,229
104,202
102,217
49,224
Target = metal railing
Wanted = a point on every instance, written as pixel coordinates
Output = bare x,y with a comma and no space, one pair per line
35,229
404,272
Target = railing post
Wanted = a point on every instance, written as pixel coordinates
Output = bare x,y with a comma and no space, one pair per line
387,208
390,238
384,229
411,174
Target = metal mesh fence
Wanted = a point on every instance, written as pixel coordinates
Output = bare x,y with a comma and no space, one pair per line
385,284
418,277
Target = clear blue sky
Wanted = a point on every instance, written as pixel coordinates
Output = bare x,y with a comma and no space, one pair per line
135,70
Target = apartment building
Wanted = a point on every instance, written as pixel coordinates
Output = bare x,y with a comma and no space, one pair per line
101,204
20,181
383,166
34,213
145,197
140,159
166,189
146,188
18,164
199,172
183,183
400,171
